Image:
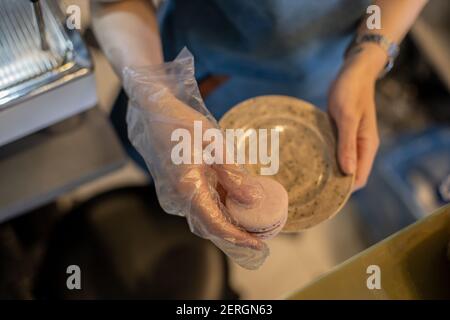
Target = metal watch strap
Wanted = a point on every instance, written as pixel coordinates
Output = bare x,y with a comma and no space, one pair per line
392,49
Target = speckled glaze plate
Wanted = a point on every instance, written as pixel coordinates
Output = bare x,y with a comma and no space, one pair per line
308,167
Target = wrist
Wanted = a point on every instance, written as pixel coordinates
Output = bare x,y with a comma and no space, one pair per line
368,58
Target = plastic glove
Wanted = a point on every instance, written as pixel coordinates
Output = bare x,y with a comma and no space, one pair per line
164,98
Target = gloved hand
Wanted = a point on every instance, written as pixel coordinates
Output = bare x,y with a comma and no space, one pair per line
165,98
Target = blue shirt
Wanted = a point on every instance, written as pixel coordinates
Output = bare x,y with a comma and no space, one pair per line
291,47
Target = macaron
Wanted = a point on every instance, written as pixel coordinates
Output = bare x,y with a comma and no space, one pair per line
266,217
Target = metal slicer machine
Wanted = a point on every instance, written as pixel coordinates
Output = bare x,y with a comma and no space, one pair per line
46,74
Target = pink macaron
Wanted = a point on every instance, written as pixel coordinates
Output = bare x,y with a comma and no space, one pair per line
267,217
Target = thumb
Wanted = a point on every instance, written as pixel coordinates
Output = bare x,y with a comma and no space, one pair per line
238,183
208,220
347,151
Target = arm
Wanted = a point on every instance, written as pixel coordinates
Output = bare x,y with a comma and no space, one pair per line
352,97
127,32
397,17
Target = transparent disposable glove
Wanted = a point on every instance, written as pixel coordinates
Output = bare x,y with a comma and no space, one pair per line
165,98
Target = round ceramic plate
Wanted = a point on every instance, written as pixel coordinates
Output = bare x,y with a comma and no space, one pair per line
308,167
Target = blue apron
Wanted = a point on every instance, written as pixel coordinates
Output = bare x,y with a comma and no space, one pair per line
290,47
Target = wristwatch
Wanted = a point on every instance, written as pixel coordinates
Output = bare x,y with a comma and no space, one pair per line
392,49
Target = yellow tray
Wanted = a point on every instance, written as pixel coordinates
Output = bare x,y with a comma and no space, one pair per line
413,263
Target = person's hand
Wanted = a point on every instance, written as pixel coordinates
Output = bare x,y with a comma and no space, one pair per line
189,189
351,104
199,182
